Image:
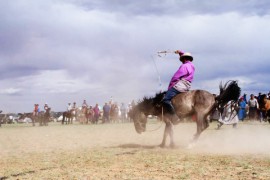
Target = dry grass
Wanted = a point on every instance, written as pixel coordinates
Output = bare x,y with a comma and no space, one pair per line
115,151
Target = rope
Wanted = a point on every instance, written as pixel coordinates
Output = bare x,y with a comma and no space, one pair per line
159,79
160,123
155,128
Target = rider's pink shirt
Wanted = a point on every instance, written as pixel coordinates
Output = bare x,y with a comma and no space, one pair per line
185,71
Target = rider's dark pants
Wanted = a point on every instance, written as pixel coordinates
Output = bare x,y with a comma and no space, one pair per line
167,100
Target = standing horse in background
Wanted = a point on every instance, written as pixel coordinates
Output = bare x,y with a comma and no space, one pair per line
67,117
45,117
82,115
198,103
90,115
114,113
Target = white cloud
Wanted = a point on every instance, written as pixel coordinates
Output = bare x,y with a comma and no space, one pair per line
79,49
10,91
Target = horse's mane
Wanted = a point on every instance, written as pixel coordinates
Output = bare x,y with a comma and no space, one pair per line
230,91
149,104
158,98
261,99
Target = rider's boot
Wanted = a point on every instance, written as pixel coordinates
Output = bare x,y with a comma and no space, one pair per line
170,111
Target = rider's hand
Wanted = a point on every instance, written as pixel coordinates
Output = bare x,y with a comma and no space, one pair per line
179,52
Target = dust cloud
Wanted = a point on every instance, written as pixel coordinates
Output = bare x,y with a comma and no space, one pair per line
247,138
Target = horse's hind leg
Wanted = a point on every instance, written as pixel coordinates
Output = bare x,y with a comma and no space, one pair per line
202,124
200,127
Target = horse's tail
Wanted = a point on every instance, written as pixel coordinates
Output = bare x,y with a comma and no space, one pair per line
229,92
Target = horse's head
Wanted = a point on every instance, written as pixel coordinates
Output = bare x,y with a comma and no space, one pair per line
262,100
229,92
148,106
139,119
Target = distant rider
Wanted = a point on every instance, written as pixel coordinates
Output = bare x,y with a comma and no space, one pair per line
69,107
46,107
36,110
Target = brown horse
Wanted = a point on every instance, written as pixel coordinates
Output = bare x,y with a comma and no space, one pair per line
198,103
68,116
264,105
44,117
83,116
114,113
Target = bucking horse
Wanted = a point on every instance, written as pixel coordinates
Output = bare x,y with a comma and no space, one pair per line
194,103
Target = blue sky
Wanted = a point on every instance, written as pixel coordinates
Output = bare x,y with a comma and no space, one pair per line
60,51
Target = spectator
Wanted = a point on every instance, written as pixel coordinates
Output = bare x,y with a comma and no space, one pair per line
106,113
90,114
253,106
123,111
242,109
96,114
74,110
259,112
245,98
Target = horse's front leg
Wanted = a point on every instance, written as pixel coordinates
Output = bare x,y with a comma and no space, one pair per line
168,131
33,121
165,134
63,120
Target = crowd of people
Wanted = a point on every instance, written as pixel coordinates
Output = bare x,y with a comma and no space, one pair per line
110,112
248,108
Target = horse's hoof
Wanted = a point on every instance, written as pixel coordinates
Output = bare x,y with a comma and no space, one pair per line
172,145
162,145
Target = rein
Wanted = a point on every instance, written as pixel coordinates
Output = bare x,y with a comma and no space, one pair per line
159,125
155,128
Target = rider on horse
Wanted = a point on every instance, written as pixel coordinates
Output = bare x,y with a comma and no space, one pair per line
69,107
181,80
46,107
36,110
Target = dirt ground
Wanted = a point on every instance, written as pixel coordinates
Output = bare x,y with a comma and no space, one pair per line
116,151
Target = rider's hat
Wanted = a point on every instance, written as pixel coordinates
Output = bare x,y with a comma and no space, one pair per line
186,55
